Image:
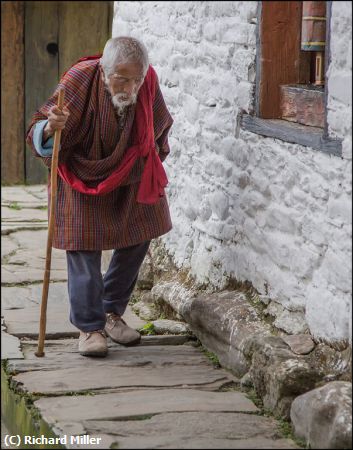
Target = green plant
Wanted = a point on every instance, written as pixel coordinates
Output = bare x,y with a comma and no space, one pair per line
251,394
286,429
148,329
14,205
211,356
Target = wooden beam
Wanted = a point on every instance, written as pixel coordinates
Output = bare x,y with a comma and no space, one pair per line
303,104
292,132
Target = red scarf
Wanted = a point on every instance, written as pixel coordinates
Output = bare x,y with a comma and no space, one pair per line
154,179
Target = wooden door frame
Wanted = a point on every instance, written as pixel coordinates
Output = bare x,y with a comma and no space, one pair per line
12,93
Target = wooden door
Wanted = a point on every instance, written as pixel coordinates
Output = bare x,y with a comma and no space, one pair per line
56,35
41,70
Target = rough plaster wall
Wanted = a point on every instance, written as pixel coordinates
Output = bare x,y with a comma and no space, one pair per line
246,206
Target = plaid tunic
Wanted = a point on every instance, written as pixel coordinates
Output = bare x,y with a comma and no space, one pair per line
92,133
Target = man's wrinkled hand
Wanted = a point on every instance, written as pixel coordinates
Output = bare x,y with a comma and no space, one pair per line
57,119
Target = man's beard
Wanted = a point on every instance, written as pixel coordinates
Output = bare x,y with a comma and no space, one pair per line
120,101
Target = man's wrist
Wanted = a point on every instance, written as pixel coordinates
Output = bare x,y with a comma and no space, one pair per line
47,133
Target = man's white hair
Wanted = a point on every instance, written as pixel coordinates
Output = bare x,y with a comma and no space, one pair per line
121,50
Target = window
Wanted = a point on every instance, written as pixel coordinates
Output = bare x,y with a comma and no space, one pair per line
291,61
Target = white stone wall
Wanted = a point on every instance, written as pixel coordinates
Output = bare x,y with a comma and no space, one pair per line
245,206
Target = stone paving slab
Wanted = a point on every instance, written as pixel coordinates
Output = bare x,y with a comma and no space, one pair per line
17,274
8,245
27,263
18,297
193,430
179,442
38,190
23,214
64,353
20,195
12,227
10,347
35,259
25,322
134,404
36,203
113,376
153,340
33,240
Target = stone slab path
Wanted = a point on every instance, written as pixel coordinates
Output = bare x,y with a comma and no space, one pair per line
161,393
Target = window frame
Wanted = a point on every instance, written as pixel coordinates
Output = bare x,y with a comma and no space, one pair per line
314,137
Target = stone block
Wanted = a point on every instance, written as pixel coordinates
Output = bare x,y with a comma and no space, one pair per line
129,11
175,295
323,416
252,201
336,268
281,219
340,208
326,314
162,326
244,95
146,312
146,275
219,202
347,148
340,86
301,344
279,375
292,322
223,323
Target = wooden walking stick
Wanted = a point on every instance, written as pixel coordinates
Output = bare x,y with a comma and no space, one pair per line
53,190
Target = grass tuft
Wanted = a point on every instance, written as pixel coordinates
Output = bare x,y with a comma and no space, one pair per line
148,329
14,205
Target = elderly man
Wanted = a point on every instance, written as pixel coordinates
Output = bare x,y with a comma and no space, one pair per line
111,182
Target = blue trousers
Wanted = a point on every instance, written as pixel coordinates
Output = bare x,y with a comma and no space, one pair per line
91,295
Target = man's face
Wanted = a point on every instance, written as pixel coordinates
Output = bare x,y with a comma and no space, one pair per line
125,83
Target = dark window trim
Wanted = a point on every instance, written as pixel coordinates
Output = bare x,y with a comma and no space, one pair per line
314,137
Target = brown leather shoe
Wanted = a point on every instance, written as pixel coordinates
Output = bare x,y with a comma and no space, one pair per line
119,332
92,343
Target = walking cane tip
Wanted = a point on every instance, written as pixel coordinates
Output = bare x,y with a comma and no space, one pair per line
39,354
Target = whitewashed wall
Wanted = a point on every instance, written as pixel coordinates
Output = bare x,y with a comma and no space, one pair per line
245,206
